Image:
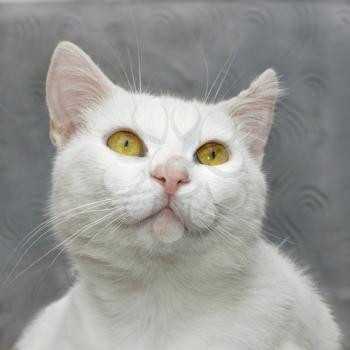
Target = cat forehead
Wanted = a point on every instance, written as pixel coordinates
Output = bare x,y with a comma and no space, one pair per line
164,115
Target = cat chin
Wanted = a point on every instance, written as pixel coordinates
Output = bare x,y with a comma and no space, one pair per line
167,227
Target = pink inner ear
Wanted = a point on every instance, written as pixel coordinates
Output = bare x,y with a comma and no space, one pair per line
74,83
258,124
253,109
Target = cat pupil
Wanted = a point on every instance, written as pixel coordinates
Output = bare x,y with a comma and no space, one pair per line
213,154
126,143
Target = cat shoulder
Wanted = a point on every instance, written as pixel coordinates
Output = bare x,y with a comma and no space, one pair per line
42,332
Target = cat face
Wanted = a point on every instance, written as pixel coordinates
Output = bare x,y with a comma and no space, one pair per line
153,172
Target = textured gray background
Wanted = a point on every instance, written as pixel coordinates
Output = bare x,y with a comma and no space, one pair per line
307,160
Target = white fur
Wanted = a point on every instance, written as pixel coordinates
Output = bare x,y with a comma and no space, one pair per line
219,286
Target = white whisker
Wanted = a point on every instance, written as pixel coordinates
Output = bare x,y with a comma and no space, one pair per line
66,241
47,227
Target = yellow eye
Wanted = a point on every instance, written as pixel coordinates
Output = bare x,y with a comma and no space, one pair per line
212,153
126,143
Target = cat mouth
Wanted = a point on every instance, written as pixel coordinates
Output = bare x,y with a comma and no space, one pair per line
165,223
168,211
167,227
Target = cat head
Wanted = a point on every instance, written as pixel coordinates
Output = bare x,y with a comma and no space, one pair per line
155,173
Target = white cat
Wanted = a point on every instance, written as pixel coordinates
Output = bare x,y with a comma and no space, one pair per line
159,202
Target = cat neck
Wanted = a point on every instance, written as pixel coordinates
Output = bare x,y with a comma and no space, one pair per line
186,274
155,290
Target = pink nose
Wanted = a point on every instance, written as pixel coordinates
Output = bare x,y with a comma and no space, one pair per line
171,175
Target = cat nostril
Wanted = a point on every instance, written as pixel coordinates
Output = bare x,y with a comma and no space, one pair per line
175,179
184,179
160,178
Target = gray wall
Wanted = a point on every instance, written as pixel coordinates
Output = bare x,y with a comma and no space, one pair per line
307,162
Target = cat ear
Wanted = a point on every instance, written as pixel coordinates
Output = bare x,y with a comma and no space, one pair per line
253,110
74,83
